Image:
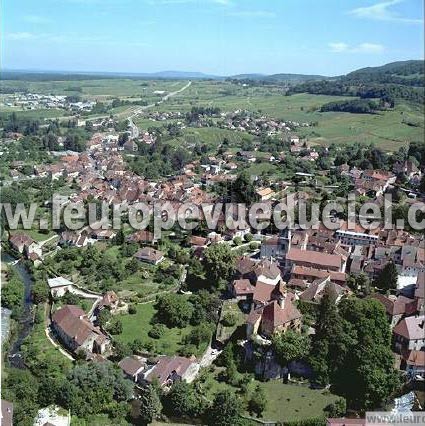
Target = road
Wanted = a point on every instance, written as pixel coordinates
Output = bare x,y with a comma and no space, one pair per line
140,109
133,128
209,356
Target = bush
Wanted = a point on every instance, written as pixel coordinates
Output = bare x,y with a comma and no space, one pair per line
253,245
157,331
115,326
132,310
229,320
237,241
249,238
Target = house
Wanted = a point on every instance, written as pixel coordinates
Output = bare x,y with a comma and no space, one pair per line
267,271
73,328
263,293
59,286
170,369
74,239
265,194
314,259
242,289
20,242
102,234
396,307
414,364
109,300
409,334
352,238
318,288
278,316
53,416
130,145
197,241
310,274
142,237
133,367
6,413
149,255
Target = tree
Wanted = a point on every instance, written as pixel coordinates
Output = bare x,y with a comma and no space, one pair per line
200,334
157,331
150,404
115,326
258,401
243,190
225,410
183,400
173,310
352,345
119,238
336,409
121,350
290,346
387,279
229,319
104,317
219,262
329,342
359,283
90,388
40,293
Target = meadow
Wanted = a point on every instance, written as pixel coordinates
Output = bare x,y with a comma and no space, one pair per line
138,325
285,402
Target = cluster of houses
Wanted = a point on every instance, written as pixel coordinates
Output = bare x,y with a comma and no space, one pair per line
40,101
164,370
304,264
374,183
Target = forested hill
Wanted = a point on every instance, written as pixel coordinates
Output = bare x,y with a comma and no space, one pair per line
410,73
390,83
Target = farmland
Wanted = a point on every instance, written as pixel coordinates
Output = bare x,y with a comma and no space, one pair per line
387,129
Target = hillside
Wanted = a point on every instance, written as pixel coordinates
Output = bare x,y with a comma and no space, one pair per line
403,72
390,83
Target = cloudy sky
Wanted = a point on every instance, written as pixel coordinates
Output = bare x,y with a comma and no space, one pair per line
220,37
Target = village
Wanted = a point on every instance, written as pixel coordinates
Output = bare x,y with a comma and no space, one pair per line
273,281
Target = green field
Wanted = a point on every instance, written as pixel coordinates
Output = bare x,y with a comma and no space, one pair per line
137,326
285,402
38,350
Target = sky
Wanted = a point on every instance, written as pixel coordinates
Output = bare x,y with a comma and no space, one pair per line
220,37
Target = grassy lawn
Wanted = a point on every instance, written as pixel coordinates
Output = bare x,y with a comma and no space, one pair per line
210,136
229,308
34,114
285,402
40,349
35,234
138,325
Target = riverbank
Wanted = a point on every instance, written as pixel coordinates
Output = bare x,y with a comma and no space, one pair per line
25,316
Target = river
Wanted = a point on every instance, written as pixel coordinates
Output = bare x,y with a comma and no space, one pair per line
27,320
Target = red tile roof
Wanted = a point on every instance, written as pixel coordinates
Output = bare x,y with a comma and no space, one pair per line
311,257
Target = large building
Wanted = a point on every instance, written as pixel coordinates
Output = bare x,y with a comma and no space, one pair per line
74,329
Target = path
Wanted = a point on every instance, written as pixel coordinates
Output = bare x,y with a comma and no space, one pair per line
62,351
209,356
41,243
